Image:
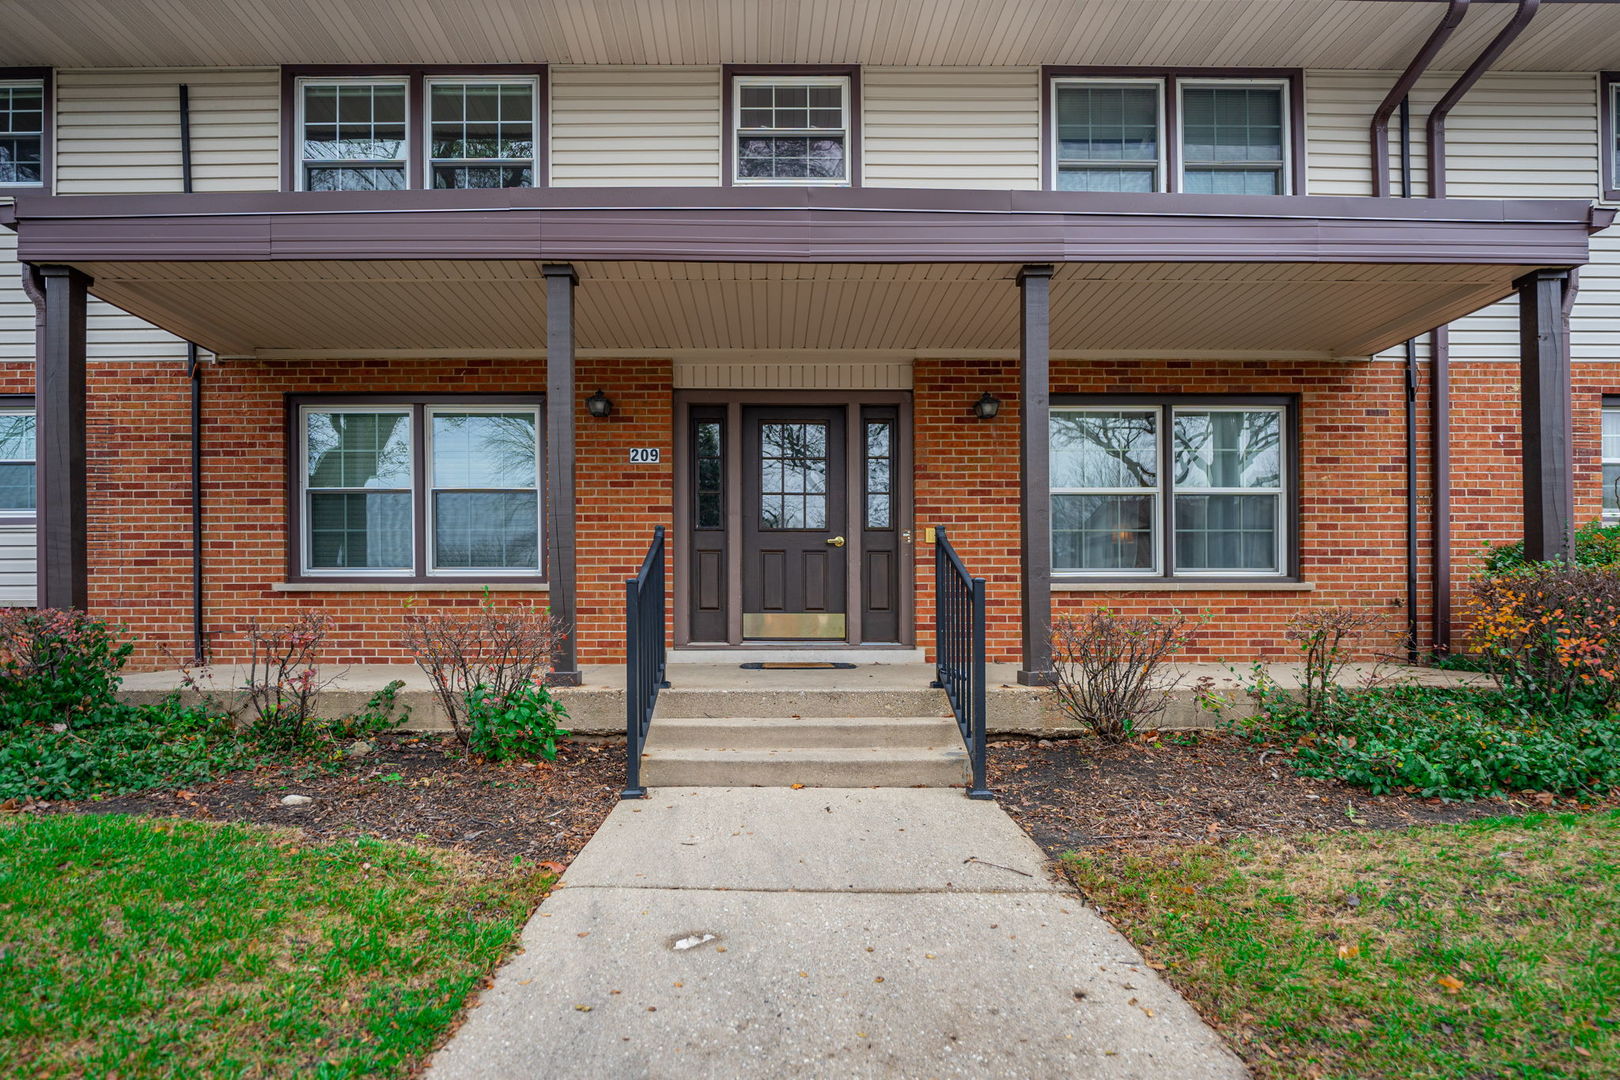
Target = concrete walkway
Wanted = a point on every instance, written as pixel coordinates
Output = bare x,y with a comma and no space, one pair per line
766,932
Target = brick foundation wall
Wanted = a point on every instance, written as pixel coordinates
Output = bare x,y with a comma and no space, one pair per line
966,480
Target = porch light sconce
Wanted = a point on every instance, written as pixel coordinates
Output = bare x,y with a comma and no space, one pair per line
599,404
987,406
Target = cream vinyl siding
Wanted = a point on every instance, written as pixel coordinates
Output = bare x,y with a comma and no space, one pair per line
16,310
17,565
635,127
119,131
951,128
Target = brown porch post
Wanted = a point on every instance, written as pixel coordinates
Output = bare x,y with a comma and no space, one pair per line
1547,416
560,282
1034,468
59,380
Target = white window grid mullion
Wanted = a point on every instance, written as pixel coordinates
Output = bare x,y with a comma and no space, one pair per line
307,524
846,86
1160,165
464,81
300,128
1156,493
1286,166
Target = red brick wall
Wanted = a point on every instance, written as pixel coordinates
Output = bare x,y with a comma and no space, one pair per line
966,480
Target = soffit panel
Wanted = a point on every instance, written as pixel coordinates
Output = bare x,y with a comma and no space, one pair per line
1357,34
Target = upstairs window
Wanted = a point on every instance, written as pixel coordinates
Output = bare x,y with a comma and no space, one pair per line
354,135
1172,132
417,128
790,129
481,133
22,132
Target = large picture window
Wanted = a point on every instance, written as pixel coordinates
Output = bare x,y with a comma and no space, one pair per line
416,127
1171,488
1202,133
418,489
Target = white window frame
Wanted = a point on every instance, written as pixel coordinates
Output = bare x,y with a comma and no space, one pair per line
1280,540
1055,144
426,124
1610,517
44,128
788,79
1164,496
8,515
302,163
306,521
1286,136
429,488
1157,493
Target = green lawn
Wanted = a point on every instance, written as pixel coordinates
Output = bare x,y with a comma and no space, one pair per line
149,948
1482,950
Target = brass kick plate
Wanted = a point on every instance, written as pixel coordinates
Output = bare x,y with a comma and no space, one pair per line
794,625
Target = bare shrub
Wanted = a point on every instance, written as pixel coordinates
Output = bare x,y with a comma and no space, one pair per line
283,678
492,652
1111,671
1329,640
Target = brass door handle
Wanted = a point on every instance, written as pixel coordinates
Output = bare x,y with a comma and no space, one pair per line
837,541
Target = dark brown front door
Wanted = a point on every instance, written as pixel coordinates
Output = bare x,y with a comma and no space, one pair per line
794,521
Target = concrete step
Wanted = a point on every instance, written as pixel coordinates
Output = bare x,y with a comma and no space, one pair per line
803,732
930,766
764,699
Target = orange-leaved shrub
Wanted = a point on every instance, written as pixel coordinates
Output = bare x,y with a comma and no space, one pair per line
1550,632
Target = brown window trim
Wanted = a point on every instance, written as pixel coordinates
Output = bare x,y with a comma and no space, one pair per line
1291,563
728,123
414,76
1606,134
47,148
1293,77
419,578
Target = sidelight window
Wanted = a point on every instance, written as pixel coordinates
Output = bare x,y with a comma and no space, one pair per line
1611,462
419,489
1164,489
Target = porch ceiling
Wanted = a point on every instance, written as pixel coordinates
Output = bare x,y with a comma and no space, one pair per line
288,308
1372,34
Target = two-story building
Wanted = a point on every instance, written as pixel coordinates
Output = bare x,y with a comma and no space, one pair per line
1225,305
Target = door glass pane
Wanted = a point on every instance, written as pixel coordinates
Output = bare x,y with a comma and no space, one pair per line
1102,532
1227,532
709,475
879,473
793,475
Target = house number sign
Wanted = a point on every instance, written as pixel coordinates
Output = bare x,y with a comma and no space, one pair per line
644,455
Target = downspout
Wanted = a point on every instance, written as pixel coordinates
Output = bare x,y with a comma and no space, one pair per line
1411,386
199,638
1397,97
1440,338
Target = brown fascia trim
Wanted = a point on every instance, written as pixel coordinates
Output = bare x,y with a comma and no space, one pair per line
1606,133
411,582
789,225
1294,77
415,117
728,114
47,171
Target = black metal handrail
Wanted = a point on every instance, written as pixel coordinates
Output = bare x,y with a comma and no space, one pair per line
959,652
644,660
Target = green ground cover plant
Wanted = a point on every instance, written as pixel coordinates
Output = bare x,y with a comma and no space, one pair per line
1481,950
142,947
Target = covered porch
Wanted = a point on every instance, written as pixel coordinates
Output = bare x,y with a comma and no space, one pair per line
829,299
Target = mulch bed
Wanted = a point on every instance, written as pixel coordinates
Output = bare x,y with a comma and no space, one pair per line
1082,793
410,789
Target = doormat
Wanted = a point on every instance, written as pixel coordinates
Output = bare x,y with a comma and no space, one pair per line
796,665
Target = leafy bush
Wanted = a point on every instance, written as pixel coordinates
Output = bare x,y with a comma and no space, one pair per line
1111,671
498,652
120,750
1596,544
1451,743
520,724
383,711
57,667
1550,634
